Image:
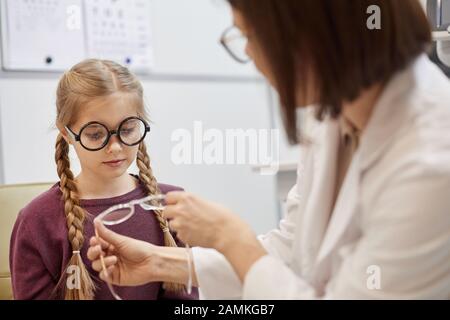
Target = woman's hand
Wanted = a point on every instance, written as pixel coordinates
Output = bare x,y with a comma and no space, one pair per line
206,224
203,223
129,262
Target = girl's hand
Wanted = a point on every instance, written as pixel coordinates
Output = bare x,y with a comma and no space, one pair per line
129,262
198,222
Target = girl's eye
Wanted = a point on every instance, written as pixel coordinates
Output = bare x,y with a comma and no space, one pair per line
95,136
127,131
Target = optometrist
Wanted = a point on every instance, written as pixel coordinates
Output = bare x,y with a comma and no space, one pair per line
369,216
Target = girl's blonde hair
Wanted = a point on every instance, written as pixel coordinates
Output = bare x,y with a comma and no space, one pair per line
85,81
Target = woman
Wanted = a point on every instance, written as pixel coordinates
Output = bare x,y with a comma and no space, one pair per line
369,215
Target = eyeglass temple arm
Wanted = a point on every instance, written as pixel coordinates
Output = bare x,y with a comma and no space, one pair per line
72,134
146,206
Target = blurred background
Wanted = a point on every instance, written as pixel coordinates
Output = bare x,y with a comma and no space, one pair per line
187,76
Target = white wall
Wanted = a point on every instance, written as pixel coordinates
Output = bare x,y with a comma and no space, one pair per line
187,38
194,79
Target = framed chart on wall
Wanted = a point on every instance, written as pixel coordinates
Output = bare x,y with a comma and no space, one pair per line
52,35
120,31
37,36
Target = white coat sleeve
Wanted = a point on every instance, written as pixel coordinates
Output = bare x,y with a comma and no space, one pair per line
402,254
278,242
215,275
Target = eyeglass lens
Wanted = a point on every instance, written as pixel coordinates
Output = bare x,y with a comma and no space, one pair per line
95,135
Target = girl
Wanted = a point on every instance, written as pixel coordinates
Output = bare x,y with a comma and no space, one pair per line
101,113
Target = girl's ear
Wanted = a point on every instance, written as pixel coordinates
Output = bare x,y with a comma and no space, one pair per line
64,133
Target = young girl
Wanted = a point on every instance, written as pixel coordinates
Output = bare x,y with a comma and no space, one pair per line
101,113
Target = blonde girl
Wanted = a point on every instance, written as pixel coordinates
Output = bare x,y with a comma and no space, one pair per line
101,113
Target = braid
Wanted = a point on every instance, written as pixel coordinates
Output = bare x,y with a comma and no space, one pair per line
150,182
75,216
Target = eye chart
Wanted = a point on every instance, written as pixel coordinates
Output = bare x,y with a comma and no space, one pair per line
120,30
41,34
53,35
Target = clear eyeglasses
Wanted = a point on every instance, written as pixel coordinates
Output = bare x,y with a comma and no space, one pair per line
121,213
235,44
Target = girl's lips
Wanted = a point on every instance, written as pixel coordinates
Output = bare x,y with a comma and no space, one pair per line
116,163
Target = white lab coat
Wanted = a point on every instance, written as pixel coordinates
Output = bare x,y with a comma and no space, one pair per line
389,233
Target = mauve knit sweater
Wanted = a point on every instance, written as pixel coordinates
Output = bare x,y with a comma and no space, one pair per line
40,250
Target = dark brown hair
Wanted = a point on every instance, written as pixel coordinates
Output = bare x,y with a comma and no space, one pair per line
330,40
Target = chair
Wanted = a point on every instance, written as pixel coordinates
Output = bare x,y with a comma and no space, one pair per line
12,199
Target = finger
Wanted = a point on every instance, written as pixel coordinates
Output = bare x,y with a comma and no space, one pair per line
110,251
109,261
95,241
94,252
172,211
110,270
174,197
109,236
174,225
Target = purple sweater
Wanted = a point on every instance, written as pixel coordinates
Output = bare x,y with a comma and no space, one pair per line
40,250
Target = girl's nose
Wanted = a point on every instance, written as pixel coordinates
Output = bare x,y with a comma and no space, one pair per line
114,144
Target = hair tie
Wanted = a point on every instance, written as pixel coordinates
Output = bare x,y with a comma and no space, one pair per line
76,252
